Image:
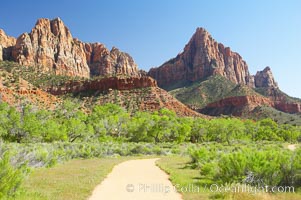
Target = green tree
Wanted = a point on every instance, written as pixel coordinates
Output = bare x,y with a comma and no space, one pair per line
199,130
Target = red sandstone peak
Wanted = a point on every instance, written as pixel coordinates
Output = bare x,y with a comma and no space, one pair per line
201,58
51,47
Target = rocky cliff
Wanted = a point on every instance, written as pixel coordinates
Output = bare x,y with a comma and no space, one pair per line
238,104
204,58
50,47
104,85
103,62
6,45
265,78
201,58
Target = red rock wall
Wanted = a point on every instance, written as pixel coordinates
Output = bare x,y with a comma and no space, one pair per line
203,57
105,84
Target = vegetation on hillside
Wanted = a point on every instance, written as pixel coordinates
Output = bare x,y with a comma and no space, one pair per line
70,123
215,88
264,112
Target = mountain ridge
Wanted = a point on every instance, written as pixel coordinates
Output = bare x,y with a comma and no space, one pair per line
51,49
51,46
202,58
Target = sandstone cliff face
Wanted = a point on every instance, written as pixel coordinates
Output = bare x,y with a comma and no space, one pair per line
51,47
105,84
6,45
103,62
265,78
201,58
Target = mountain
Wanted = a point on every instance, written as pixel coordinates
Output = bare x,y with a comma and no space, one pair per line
210,78
207,77
51,47
47,65
202,57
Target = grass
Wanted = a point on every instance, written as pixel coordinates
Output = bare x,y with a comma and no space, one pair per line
74,179
181,174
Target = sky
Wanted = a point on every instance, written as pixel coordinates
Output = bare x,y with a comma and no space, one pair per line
263,32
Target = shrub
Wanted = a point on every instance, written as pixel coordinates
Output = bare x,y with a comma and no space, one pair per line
10,176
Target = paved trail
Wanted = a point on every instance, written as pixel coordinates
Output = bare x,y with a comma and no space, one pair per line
136,180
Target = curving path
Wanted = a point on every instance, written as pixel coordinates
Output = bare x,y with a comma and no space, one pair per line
291,147
136,180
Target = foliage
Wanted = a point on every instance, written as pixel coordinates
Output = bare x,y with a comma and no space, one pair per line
212,89
111,122
10,176
254,165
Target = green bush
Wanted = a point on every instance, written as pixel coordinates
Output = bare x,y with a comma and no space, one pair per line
266,165
10,176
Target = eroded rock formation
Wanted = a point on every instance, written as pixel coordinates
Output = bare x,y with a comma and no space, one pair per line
6,45
265,78
51,48
103,62
201,58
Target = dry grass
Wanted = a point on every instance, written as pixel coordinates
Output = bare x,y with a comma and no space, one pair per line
74,180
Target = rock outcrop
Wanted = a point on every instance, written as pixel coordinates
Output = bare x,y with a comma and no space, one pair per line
51,47
201,58
265,78
103,62
6,45
104,85
239,104
288,107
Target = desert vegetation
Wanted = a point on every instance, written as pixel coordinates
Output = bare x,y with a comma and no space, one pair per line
224,150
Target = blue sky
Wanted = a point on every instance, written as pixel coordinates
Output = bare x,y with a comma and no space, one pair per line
264,32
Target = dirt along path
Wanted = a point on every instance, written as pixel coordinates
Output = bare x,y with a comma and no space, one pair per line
136,180
291,147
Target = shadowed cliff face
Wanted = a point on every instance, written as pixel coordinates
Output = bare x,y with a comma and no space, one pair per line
201,58
51,47
6,46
